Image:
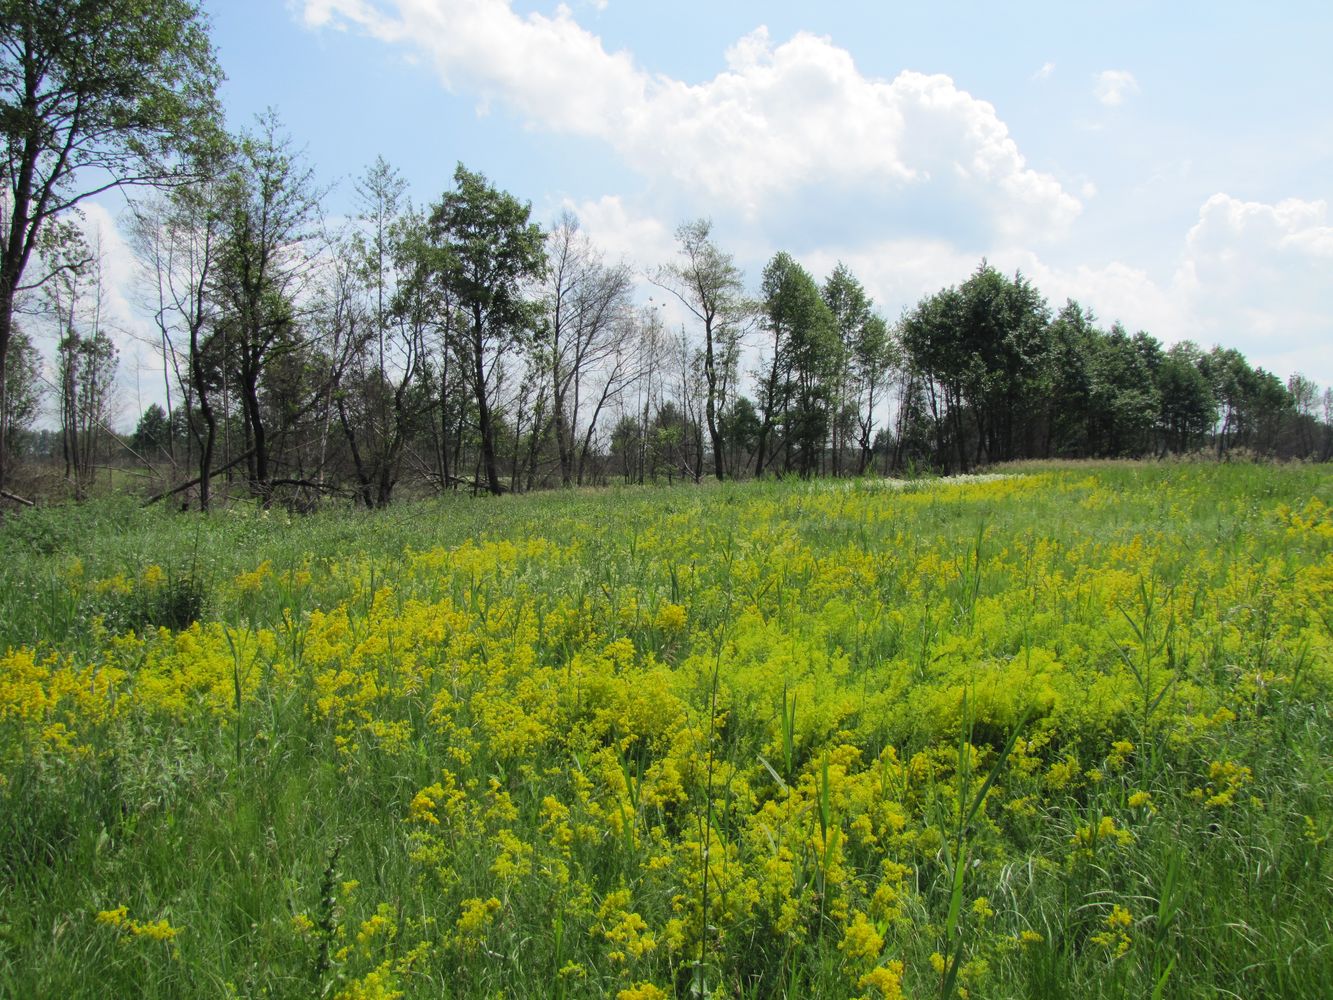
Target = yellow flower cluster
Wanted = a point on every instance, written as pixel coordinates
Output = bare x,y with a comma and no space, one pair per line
1115,933
120,919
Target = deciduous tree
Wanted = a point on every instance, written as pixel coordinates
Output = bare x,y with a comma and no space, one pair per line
490,253
709,284
93,94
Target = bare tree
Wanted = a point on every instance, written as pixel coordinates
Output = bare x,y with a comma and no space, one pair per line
380,405
709,284
86,363
587,347
177,239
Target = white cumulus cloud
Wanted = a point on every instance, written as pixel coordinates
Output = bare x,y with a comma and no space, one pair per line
779,119
623,234
1255,276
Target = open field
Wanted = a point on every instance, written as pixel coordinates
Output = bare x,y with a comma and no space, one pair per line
1064,733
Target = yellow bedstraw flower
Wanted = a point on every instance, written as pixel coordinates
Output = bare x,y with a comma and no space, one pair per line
120,919
156,930
670,618
377,984
1116,935
623,928
885,980
861,939
477,915
1225,779
114,918
1088,837
1120,751
643,991
381,926
249,583
422,808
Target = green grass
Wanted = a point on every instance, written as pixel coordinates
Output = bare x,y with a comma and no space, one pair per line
811,627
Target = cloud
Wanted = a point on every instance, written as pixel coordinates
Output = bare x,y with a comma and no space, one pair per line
1043,74
1255,276
1113,86
639,240
780,120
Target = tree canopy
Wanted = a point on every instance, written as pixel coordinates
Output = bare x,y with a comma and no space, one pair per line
93,94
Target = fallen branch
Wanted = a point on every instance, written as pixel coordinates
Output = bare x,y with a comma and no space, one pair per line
474,484
17,499
196,480
308,484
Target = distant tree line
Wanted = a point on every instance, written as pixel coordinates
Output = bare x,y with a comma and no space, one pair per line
459,345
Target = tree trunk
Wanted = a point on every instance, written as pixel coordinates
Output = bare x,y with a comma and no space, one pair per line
710,409
6,335
483,409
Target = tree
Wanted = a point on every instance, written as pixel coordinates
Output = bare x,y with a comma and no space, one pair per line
939,367
869,357
178,239
381,261
93,95
588,321
797,388
1124,403
153,432
272,207
489,252
1188,409
22,397
1326,448
1073,340
1305,401
739,424
1005,339
86,358
1254,403
709,284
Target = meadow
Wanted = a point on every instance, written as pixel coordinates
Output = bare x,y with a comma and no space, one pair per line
1063,732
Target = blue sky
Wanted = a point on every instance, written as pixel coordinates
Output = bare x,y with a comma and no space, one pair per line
1168,165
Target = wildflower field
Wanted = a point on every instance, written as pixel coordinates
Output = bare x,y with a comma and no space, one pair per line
1061,733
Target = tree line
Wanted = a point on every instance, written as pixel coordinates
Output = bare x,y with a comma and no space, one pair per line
460,345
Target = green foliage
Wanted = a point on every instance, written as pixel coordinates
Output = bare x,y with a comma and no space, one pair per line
153,432
487,251
797,392
23,389
92,95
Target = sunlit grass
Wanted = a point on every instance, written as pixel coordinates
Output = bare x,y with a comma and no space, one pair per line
1064,732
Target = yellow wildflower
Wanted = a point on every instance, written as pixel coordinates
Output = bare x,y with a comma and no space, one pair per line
670,618
885,980
477,915
643,991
